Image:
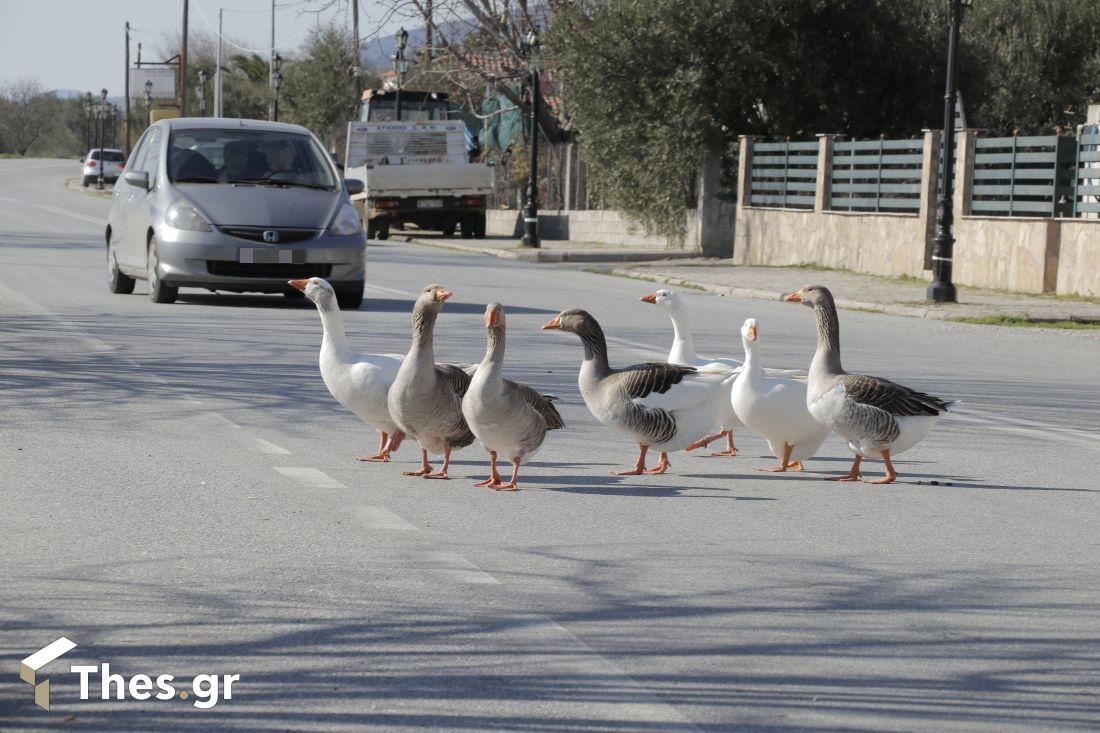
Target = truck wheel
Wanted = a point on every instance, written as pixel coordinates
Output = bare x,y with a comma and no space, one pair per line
351,298
468,226
479,225
449,229
383,229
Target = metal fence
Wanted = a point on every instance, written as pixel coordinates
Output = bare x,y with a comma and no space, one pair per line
1086,177
783,175
877,175
1023,176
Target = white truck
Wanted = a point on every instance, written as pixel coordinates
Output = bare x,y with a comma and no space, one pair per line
417,172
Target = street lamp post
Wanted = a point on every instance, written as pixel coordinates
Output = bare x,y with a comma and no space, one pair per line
201,91
88,121
942,289
101,114
531,213
400,66
277,81
148,103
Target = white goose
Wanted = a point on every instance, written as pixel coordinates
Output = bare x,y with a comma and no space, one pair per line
879,418
775,407
359,382
683,353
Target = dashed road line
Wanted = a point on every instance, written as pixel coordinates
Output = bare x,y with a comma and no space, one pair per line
392,291
71,214
378,517
267,447
311,477
455,567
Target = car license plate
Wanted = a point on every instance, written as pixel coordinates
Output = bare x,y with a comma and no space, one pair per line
430,204
271,256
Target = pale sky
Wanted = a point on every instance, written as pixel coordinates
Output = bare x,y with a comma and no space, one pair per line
79,44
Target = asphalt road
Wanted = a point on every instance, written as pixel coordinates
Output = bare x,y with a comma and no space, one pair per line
178,494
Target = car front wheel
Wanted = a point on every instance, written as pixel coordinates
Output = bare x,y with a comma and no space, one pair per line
117,282
159,291
350,298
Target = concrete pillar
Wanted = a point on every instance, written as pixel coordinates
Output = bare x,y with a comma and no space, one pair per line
964,172
708,209
823,188
569,198
744,193
929,185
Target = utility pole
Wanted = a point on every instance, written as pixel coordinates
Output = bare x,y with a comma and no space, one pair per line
218,69
428,34
355,71
272,111
126,122
183,64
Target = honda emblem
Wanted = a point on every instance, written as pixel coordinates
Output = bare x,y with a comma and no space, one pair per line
271,237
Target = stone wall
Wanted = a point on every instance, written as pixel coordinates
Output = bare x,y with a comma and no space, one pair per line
604,227
879,244
1079,258
1003,253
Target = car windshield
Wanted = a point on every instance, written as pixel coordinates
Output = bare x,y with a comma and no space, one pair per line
111,156
241,156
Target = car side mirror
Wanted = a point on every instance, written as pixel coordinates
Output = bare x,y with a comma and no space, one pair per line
354,186
138,179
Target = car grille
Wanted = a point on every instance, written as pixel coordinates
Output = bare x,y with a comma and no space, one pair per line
256,234
283,271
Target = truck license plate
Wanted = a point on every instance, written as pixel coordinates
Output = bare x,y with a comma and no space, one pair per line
270,256
430,204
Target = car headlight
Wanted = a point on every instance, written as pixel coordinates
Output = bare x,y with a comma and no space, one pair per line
346,221
181,215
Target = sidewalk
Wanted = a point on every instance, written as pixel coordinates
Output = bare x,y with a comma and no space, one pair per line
896,296
550,251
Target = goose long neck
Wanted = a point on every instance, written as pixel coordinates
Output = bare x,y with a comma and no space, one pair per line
595,348
334,336
681,334
827,356
424,316
752,363
494,350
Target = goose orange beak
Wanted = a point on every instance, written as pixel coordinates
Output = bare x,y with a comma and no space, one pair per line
651,298
554,324
442,294
752,333
795,297
299,284
492,318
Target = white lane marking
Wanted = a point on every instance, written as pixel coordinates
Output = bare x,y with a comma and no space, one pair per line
456,567
394,291
72,214
646,351
265,446
630,698
310,477
378,517
1032,428
18,299
223,420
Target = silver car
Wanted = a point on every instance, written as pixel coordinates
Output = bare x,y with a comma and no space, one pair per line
233,205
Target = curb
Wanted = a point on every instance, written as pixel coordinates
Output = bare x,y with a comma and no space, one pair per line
558,256
893,309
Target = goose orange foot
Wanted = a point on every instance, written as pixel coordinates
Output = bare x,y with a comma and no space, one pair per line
510,486
639,467
494,479
890,473
853,475
382,456
662,465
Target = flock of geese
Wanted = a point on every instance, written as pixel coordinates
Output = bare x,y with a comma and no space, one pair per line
682,404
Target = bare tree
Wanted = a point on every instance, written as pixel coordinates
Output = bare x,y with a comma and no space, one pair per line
26,114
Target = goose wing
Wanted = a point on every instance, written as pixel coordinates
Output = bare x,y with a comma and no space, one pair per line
891,397
455,377
542,404
668,386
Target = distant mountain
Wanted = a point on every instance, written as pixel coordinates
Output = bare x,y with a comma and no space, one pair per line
119,101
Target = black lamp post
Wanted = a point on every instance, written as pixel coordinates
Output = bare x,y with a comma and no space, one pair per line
201,91
101,116
277,80
148,103
88,109
528,46
942,289
400,66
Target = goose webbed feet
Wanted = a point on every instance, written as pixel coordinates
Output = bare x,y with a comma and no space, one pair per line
853,475
891,474
639,467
